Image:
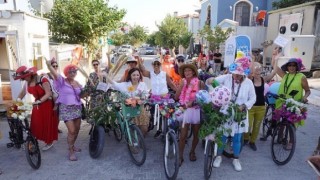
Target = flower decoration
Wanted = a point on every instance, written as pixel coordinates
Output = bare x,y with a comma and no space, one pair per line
292,110
233,67
130,88
203,97
19,110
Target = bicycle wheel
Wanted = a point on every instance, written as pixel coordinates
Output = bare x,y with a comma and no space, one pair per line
171,156
96,142
283,143
136,147
208,158
267,121
33,152
117,132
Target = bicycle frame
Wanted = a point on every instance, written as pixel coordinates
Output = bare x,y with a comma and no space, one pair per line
124,124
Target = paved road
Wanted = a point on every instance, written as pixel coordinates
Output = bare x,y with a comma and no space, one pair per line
115,163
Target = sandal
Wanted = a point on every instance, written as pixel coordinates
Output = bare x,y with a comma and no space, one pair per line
180,161
75,149
72,157
192,156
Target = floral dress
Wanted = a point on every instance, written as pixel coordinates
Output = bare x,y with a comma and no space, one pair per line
90,88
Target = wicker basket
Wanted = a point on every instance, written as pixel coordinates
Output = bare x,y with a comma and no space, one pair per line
129,111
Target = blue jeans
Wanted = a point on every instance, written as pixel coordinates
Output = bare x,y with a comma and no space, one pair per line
236,144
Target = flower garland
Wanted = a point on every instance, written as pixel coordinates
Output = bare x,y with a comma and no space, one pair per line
186,93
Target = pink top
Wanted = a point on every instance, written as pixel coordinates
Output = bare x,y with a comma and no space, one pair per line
67,95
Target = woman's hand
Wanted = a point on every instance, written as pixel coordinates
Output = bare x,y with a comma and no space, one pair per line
242,107
304,99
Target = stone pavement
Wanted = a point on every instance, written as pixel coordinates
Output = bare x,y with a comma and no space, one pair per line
115,163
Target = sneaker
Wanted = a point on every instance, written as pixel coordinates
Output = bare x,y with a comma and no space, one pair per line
236,165
158,133
47,147
253,146
217,162
59,131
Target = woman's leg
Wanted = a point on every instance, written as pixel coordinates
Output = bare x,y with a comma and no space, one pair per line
195,141
251,120
220,149
236,145
182,140
258,117
71,138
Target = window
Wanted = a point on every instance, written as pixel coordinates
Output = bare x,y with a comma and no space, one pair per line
242,13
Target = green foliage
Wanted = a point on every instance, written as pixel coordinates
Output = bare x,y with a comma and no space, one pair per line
172,33
118,38
216,36
287,3
83,21
137,35
151,40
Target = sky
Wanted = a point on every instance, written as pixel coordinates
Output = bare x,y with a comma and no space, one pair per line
139,12
148,12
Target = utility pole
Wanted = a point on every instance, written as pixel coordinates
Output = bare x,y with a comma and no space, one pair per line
14,5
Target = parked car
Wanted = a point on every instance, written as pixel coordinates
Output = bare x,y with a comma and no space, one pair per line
125,49
150,51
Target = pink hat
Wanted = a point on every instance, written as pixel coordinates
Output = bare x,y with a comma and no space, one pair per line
23,72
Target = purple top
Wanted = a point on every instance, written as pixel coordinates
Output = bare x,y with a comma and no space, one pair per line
67,95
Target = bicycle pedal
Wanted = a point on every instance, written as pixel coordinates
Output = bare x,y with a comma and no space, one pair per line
10,145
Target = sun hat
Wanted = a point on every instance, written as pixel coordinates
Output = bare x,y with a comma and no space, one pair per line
298,62
131,59
191,66
156,60
240,66
23,72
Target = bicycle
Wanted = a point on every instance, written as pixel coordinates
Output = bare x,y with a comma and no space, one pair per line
16,134
283,136
210,153
268,124
100,118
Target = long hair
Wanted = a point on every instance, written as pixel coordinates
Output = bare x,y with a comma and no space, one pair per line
132,71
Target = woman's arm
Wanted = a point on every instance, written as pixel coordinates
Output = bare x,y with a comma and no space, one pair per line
268,77
170,83
179,89
305,86
52,71
275,56
144,72
47,90
22,92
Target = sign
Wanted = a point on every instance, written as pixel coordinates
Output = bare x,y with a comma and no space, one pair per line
243,43
230,51
281,41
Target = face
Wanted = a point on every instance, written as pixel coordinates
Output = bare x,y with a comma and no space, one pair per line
292,67
28,79
55,66
257,70
132,65
72,74
188,73
156,66
135,76
237,78
203,61
95,65
180,62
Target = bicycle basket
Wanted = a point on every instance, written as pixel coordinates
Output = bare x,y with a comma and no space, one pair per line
129,111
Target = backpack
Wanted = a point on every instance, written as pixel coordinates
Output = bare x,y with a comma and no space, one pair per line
55,94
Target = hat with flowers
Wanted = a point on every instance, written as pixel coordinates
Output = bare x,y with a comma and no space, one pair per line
298,61
23,72
240,66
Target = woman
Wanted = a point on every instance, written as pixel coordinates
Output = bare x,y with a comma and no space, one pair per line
257,112
132,87
292,79
205,71
186,93
132,62
160,81
69,104
44,121
242,94
55,66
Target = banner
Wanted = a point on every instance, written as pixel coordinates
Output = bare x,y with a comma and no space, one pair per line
243,43
230,51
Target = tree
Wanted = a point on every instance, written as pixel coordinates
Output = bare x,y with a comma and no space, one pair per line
288,3
137,35
151,40
172,33
83,22
118,38
216,36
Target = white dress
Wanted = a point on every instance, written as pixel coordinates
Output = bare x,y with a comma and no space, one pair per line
247,96
124,88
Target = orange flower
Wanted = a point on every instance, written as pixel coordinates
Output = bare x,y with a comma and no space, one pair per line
130,88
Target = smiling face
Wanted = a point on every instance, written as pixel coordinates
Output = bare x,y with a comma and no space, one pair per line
292,67
95,65
156,66
188,73
55,66
237,78
72,74
135,77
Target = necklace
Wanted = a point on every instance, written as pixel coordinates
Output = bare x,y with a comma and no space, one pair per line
235,96
286,86
188,90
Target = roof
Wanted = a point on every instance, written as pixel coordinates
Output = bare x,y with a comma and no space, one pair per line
189,15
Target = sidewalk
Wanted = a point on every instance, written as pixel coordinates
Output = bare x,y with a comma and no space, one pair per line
314,97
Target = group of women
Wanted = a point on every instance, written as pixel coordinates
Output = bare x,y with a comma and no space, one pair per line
246,90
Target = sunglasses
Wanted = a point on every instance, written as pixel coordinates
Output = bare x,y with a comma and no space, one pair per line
292,65
180,60
55,66
95,64
156,64
72,72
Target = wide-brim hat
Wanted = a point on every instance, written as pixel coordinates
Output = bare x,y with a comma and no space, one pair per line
298,62
191,66
23,72
156,60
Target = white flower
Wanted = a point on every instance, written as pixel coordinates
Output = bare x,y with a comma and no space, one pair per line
14,115
21,117
23,114
19,100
